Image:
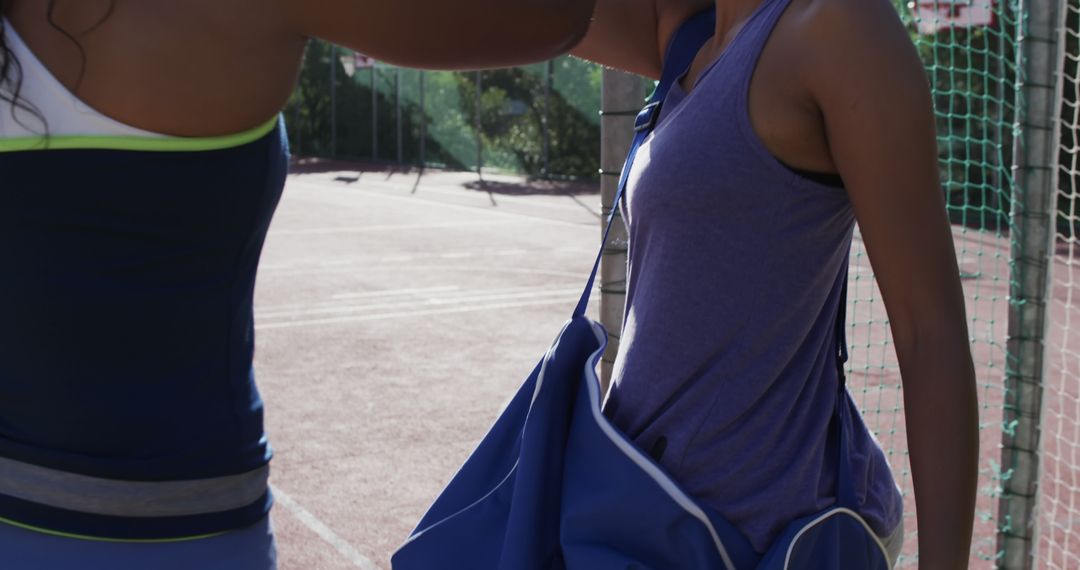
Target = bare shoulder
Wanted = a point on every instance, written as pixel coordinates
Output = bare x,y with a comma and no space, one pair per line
849,19
854,37
856,52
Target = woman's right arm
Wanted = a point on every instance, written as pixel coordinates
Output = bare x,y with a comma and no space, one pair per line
446,34
632,35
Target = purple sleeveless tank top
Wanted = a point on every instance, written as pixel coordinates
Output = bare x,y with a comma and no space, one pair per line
726,367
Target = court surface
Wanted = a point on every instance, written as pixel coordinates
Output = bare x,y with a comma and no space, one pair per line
395,315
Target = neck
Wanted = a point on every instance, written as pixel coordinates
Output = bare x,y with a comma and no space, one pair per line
730,17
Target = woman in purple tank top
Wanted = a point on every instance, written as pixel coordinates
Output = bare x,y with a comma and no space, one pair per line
798,119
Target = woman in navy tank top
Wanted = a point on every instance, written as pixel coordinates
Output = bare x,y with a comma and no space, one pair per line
797,119
142,159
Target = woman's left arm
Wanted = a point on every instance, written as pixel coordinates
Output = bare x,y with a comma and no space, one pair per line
868,82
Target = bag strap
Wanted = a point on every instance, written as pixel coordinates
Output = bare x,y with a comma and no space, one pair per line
682,49
845,485
841,324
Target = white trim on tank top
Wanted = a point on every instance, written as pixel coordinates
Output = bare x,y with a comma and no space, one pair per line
65,114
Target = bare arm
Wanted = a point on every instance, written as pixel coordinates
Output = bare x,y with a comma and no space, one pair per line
623,35
632,35
446,34
871,88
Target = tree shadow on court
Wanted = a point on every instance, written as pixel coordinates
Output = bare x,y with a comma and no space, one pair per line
535,186
313,165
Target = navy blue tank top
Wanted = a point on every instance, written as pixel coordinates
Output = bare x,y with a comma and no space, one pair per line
128,407
726,367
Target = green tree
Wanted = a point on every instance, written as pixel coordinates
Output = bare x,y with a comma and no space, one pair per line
308,114
512,107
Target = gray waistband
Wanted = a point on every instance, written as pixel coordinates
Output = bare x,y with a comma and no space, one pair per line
115,497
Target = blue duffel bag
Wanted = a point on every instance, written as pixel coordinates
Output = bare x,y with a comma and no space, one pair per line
555,485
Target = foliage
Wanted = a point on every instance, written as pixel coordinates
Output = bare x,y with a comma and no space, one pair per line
513,104
308,114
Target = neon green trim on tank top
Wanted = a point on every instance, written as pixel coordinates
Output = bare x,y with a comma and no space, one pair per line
136,143
101,539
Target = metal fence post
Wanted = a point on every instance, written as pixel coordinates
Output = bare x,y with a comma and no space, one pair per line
374,114
479,124
1032,225
622,96
333,100
545,121
299,130
397,108
423,122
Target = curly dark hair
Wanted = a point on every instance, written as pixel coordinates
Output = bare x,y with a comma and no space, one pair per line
11,72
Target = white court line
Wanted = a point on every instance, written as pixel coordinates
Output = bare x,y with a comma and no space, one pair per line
283,272
362,261
478,195
454,291
391,227
444,294
340,308
485,296
370,295
393,292
393,258
468,292
413,200
324,532
569,302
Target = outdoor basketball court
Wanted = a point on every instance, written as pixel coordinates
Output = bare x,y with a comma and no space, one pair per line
397,313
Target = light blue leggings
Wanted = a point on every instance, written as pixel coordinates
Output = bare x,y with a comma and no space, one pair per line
250,548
